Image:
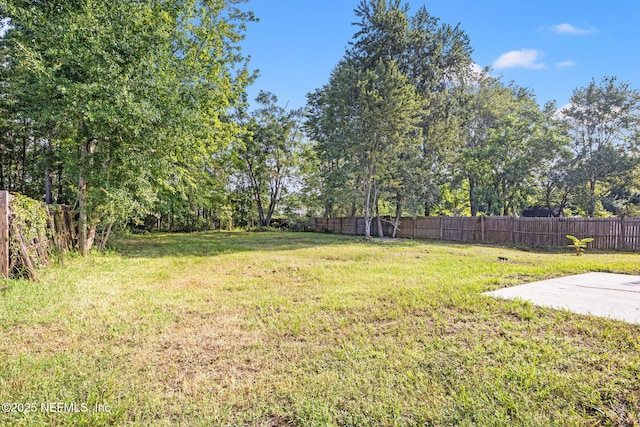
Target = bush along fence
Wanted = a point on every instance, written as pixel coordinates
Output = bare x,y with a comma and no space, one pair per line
29,230
609,233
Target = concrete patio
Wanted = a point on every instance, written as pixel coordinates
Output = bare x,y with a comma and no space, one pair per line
616,296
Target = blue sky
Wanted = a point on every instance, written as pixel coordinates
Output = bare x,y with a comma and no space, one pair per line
551,47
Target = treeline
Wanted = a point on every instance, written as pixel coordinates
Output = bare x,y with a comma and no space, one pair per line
135,113
407,124
123,109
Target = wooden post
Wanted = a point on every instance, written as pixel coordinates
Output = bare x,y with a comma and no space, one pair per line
622,237
482,228
415,225
441,229
513,234
4,233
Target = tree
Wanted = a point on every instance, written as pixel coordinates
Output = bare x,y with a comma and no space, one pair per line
556,179
483,104
128,88
391,91
335,176
604,124
370,116
269,153
435,59
506,140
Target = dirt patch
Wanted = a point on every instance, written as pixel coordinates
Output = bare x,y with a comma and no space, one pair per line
201,352
43,338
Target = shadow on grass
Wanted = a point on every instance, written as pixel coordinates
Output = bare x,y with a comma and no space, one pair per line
157,245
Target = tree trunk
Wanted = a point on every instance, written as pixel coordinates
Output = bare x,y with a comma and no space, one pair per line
48,178
91,236
273,201
86,149
48,199
105,237
472,197
261,215
82,211
366,210
60,189
255,187
378,219
396,221
24,164
592,198
2,183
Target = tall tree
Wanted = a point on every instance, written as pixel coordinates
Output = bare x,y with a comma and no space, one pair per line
371,116
268,153
556,179
484,103
604,122
506,139
435,58
416,53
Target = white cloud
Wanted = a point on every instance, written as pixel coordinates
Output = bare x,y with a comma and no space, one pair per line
525,58
565,64
570,29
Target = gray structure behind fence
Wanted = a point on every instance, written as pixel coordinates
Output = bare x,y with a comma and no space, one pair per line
609,233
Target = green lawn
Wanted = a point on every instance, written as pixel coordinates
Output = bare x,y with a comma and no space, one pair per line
310,329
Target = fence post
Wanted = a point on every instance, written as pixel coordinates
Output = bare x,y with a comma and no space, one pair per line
340,225
441,229
482,228
415,225
513,233
622,237
4,233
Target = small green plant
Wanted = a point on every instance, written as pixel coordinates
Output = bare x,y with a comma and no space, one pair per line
579,244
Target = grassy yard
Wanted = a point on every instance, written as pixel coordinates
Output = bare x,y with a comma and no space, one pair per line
310,329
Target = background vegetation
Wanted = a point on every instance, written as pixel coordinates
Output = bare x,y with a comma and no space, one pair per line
136,113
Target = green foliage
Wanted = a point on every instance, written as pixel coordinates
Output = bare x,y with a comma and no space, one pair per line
225,216
506,140
268,154
29,237
130,98
367,117
579,244
603,120
29,216
383,124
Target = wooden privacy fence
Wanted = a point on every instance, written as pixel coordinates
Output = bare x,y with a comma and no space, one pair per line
609,233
